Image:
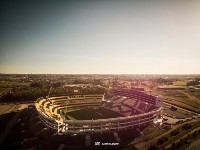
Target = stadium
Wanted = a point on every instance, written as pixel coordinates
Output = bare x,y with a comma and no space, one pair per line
74,114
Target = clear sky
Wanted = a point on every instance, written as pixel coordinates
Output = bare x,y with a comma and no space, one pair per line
123,37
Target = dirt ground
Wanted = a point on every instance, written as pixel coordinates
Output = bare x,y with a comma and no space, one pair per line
7,108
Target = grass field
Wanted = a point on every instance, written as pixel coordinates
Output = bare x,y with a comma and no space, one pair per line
180,83
182,98
149,129
181,134
177,113
194,92
92,113
10,84
4,90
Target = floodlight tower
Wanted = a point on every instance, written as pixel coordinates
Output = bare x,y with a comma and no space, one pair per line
48,95
103,98
49,92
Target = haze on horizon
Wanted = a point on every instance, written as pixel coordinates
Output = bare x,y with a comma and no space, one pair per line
100,37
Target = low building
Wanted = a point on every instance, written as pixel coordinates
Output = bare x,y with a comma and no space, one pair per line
171,87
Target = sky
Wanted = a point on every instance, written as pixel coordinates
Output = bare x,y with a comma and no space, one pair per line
100,37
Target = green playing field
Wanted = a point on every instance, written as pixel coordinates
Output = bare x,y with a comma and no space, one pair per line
92,113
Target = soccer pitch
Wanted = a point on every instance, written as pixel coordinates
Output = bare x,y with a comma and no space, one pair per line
92,113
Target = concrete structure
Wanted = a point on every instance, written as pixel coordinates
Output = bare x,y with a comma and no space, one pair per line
50,112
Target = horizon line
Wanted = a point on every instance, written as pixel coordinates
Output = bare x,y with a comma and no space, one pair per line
102,73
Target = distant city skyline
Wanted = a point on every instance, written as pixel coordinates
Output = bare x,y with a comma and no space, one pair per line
100,37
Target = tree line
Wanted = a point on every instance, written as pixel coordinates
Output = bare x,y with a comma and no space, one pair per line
34,92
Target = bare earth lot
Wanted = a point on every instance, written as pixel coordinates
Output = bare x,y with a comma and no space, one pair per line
5,108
